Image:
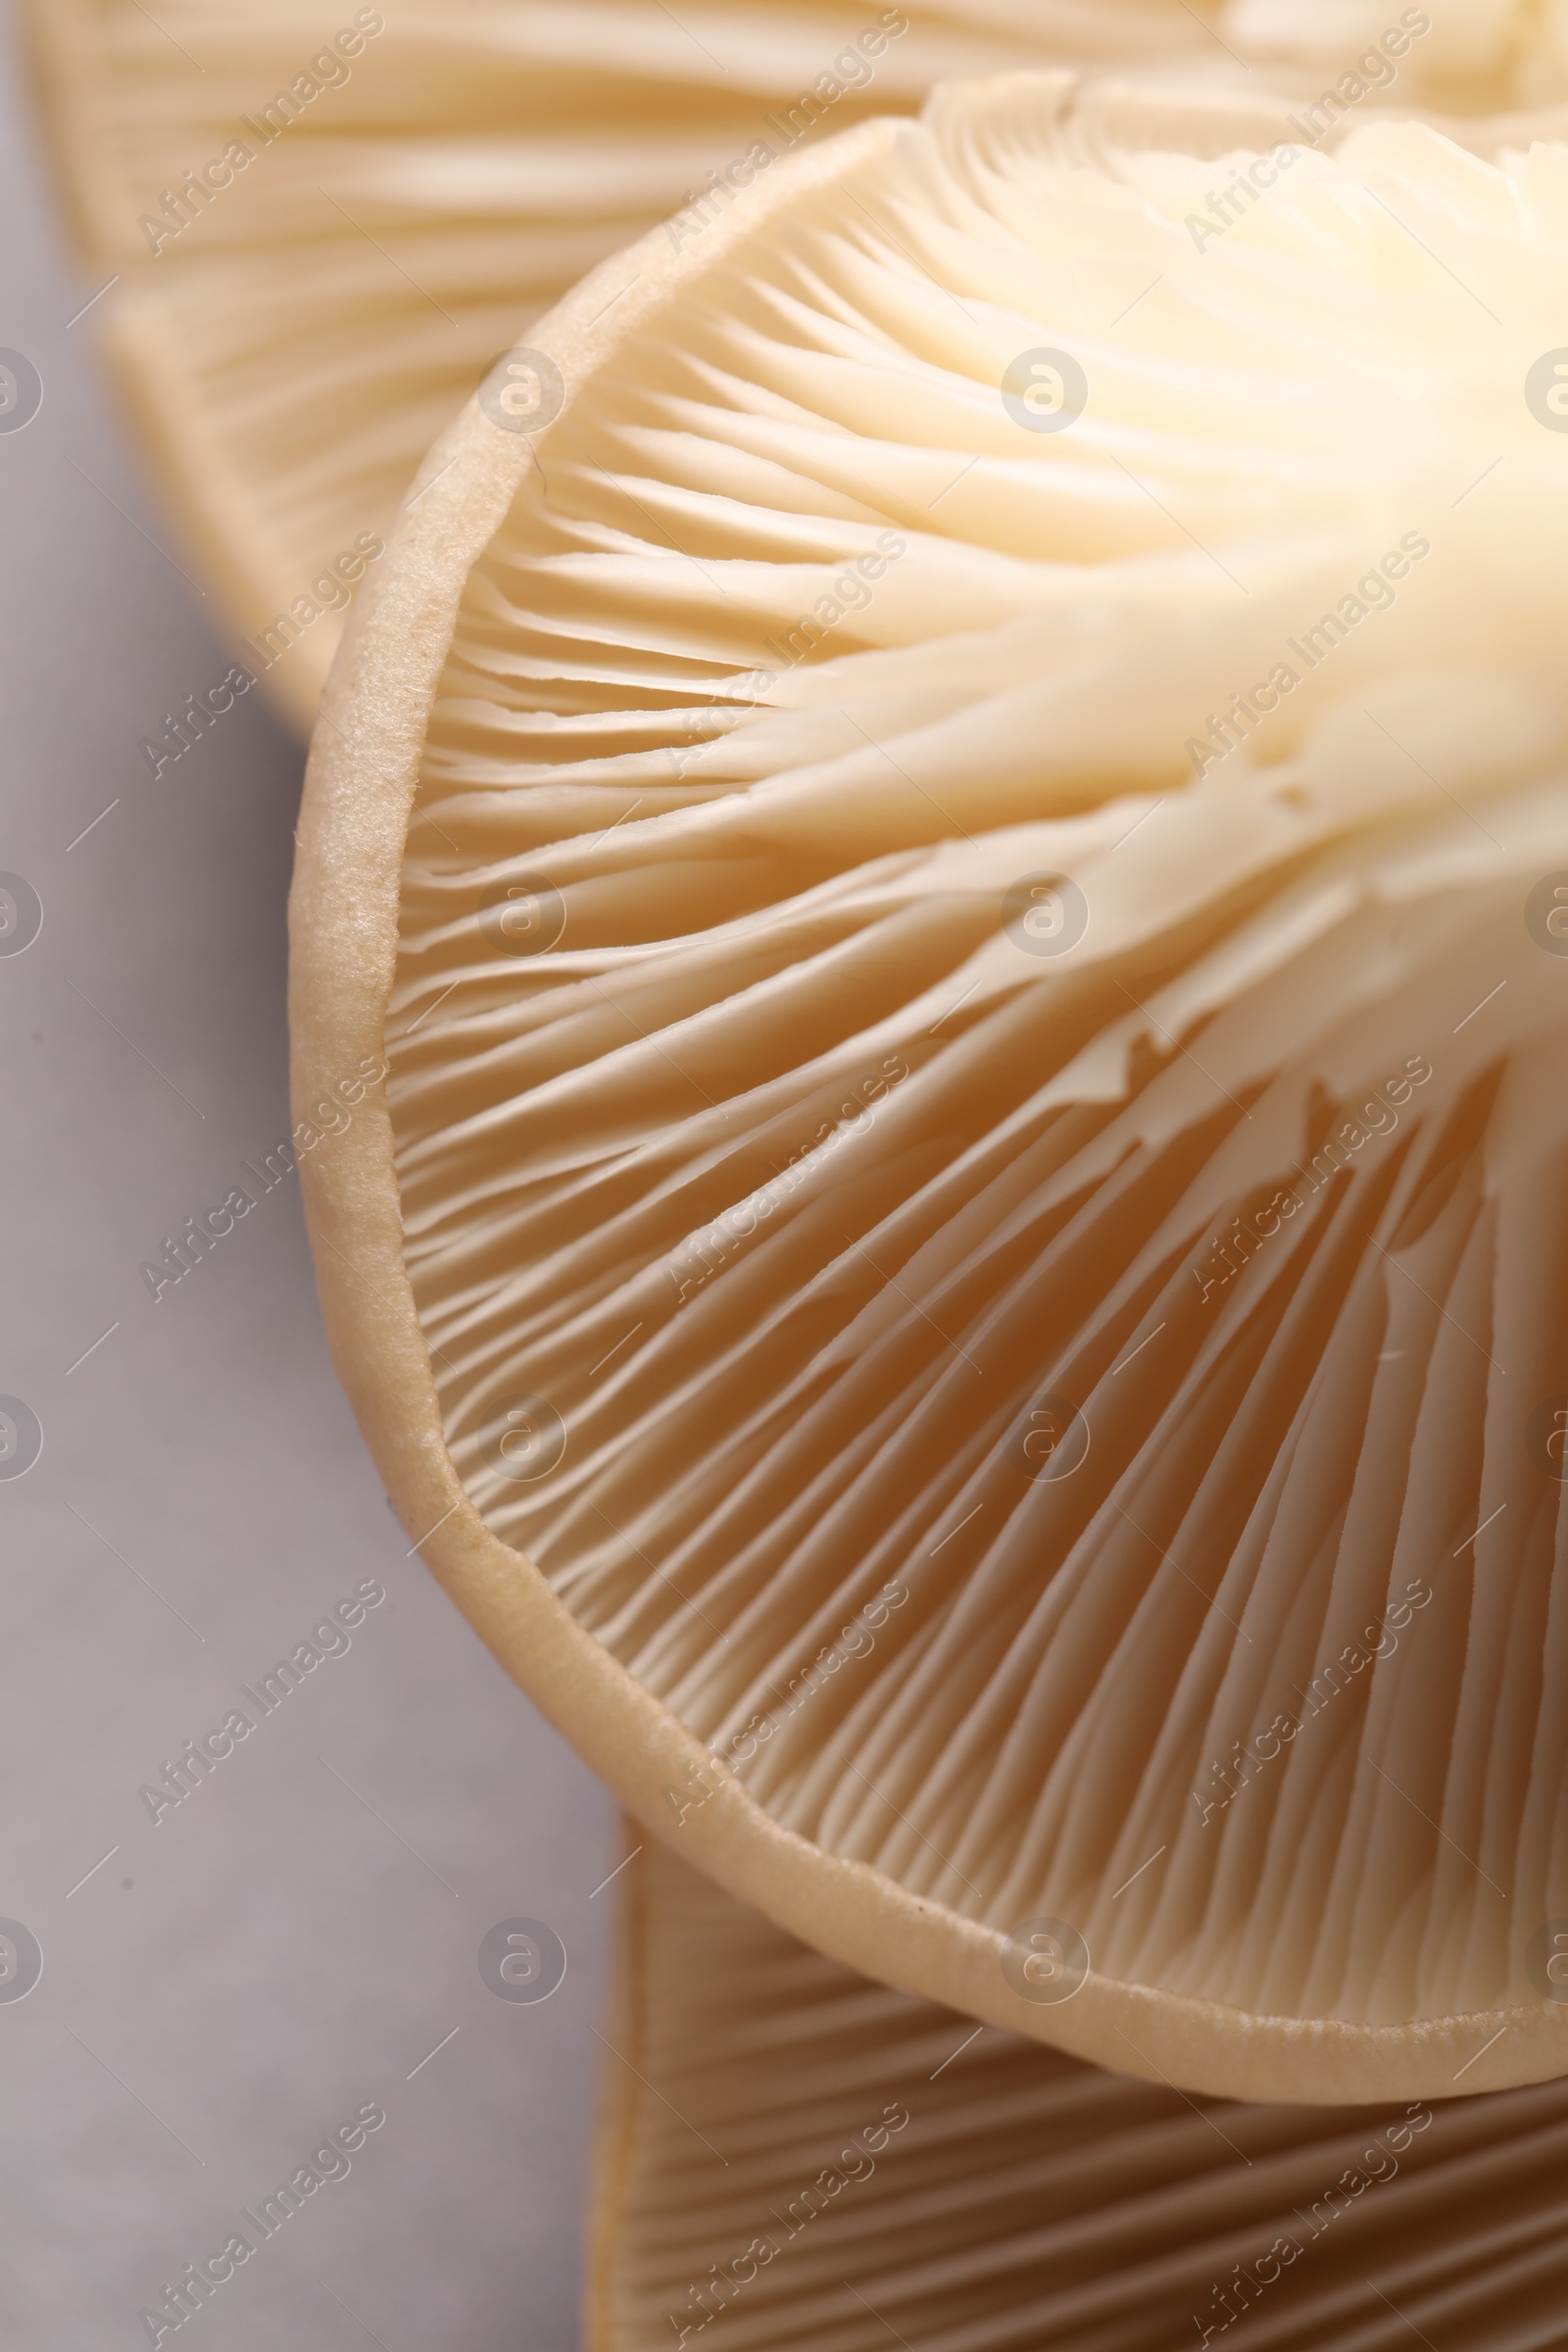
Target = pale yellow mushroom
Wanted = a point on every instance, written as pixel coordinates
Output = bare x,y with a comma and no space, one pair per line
792,2155
313,237
949,807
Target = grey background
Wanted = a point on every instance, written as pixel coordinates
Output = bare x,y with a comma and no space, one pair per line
230,1983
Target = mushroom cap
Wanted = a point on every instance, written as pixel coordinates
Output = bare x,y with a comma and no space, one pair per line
961,1270
825,2161
294,331
291,336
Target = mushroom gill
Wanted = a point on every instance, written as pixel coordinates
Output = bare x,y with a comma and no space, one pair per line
316,238
808,2157
957,823
321,236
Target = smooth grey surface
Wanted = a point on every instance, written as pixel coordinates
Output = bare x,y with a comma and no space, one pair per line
292,1939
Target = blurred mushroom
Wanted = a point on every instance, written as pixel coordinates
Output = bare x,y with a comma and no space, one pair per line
811,2158
313,243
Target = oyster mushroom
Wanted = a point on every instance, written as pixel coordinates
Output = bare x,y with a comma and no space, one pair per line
816,2159
320,238
314,241
958,841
